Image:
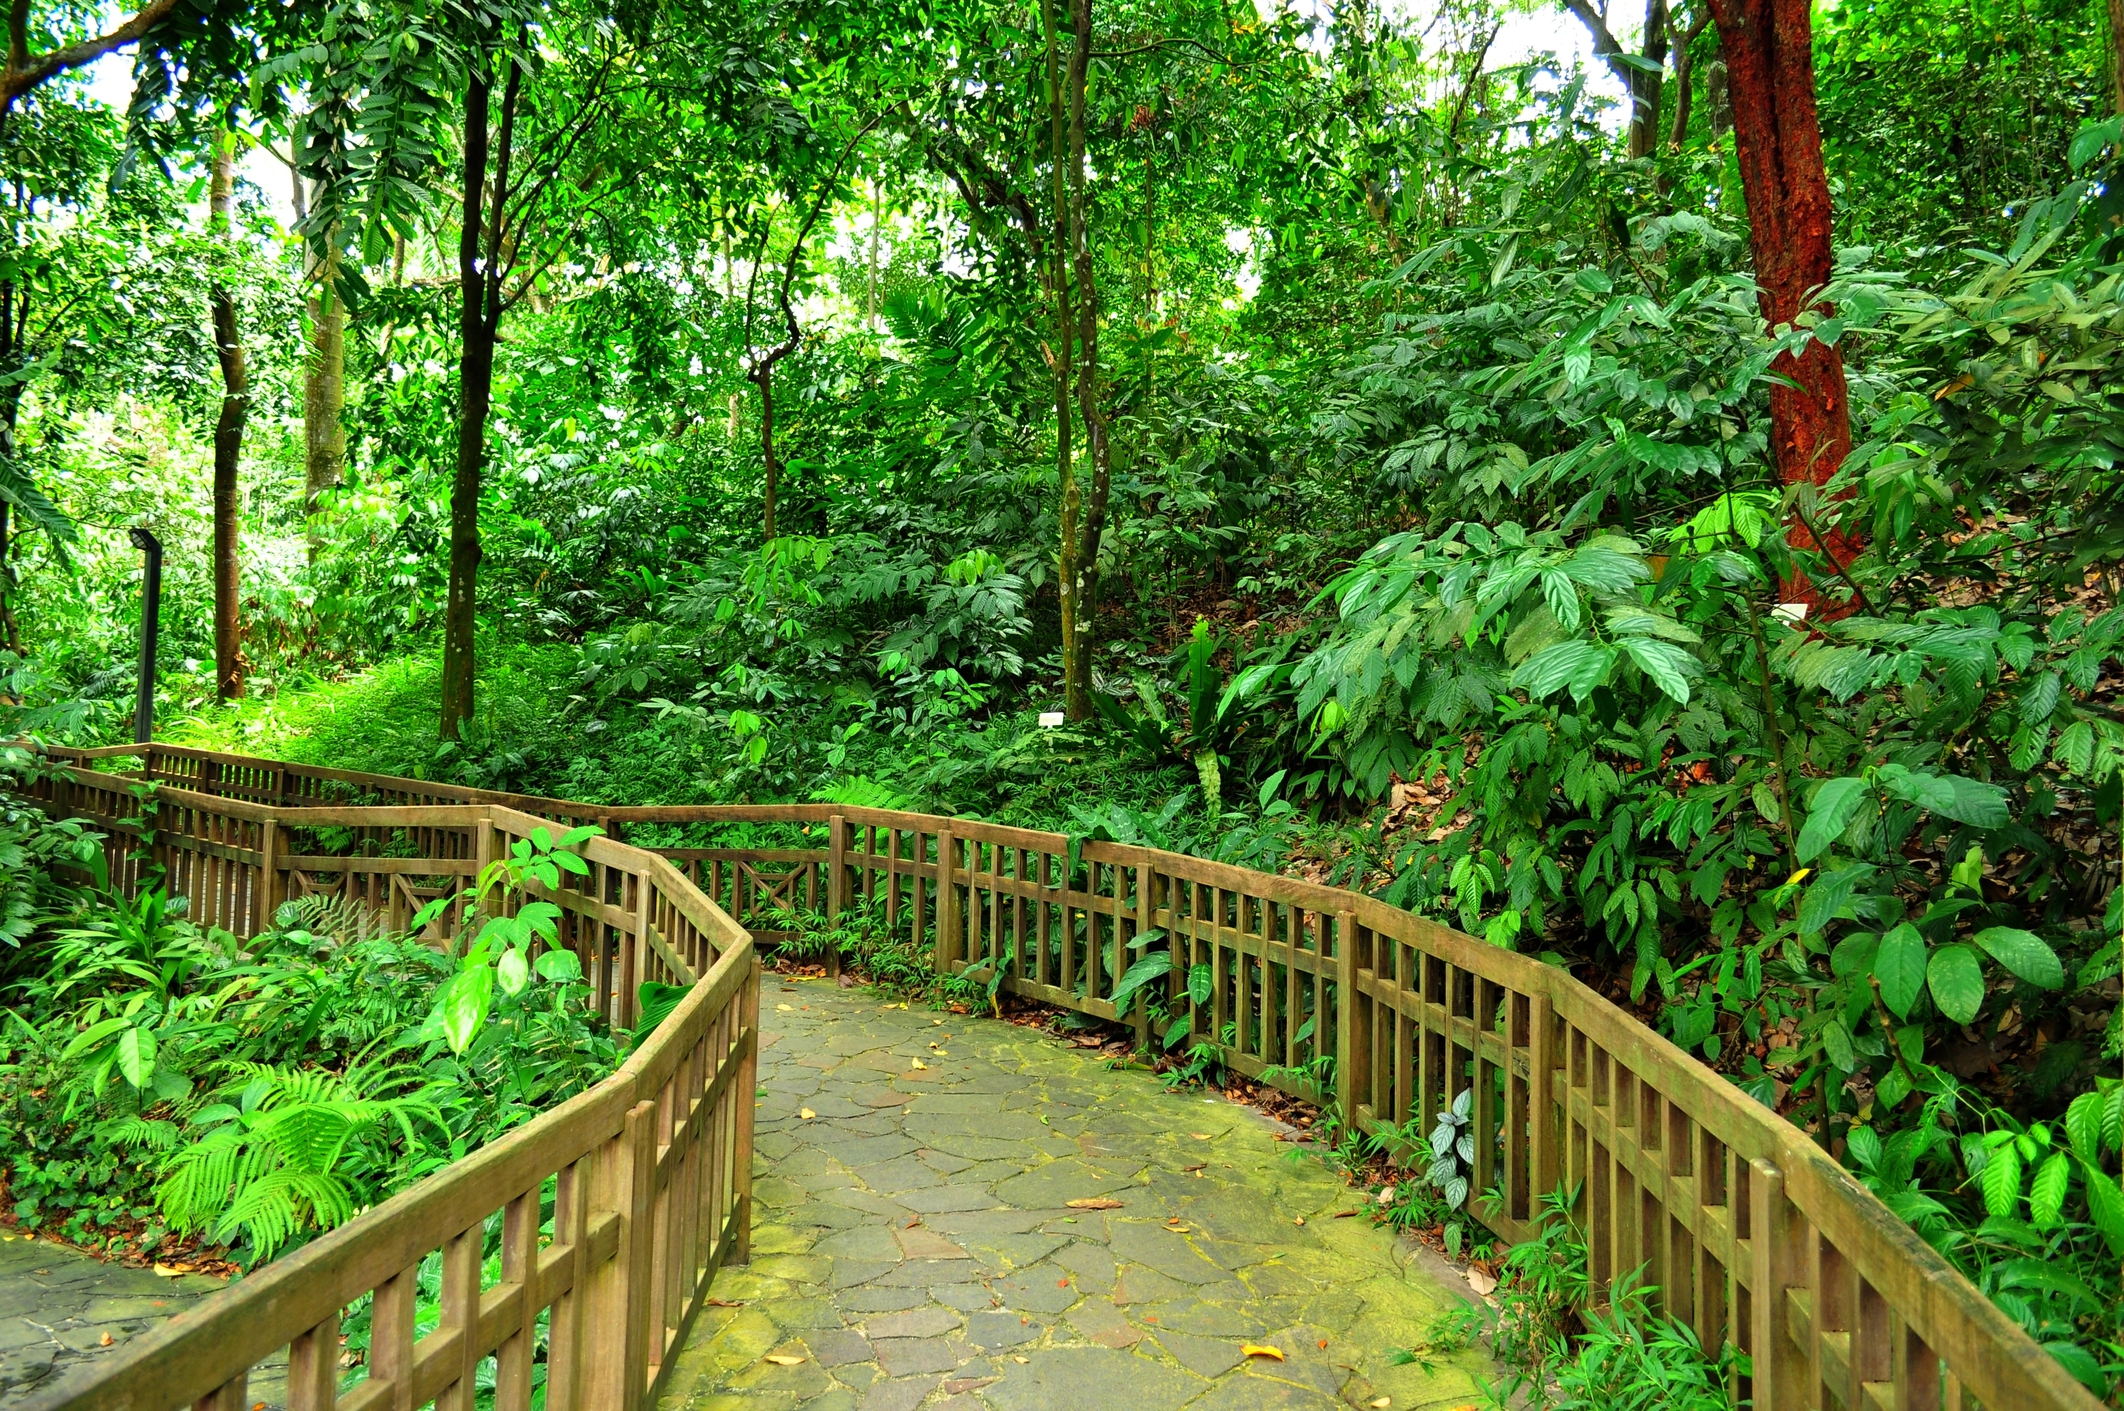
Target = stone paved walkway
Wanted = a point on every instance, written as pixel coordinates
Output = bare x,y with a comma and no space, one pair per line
61,1309
914,1246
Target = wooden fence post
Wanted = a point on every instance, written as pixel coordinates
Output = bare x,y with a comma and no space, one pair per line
265,892
746,1097
638,1250
1145,911
1542,1126
836,886
1346,1017
947,904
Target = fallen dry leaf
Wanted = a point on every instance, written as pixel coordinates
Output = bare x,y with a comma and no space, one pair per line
920,1064
1093,1202
1382,1403
785,1359
1021,1361
1261,1349
170,1271
105,1340
1344,1214
786,1008
1196,1167
723,1303
806,1113
1200,1136
1323,1344
1299,1221
1484,1284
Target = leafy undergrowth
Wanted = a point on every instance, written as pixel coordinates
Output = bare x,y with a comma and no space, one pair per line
181,1097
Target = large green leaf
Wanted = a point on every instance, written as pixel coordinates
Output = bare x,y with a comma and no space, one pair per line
136,1056
1145,970
1835,804
1899,966
1957,982
1200,983
2026,955
464,1004
1668,665
1565,664
1963,800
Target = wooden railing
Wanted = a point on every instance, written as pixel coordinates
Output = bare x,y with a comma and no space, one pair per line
610,1214
1749,1231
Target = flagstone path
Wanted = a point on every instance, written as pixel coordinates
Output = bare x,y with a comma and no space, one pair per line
60,1308
913,1243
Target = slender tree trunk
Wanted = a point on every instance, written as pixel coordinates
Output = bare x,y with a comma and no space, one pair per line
2116,51
1646,88
772,493
1768,47
1076,694
324,434
230,666
479,323
11,357
877,213
1684,78
1098,448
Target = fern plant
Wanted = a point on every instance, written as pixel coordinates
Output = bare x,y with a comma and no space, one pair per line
290,1154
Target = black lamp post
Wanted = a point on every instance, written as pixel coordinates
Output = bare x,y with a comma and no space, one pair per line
150,629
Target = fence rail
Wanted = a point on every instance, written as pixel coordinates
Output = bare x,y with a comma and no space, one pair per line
611,1213
1751,1233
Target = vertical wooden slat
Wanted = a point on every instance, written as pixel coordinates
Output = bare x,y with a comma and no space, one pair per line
313,1368
519,1266
391,1338
460,1310
947,901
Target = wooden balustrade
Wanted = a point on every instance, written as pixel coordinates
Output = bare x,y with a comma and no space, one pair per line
610,1215
1750,1232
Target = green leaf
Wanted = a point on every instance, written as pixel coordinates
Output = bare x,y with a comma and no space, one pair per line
464,1005
136,1056
1668,665
2083,1127
2088,142
1950,796
1835,804
1957,982
2105,1205
559,965
1145,970
2046,1197
1201,982
1578,665
1830,894
1899,966
1894,1087
512,971
2026,955
2002,1182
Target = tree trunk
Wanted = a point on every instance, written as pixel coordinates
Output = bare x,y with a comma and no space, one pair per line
479,315
1768,48
324,435
772,492
230,666
1684,76
1076,694
1646,88
2116,51
1085,296
1642,85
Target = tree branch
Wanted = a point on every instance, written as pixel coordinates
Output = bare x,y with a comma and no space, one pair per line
24,73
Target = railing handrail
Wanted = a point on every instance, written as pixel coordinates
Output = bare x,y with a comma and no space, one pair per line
1840,1293
673,1120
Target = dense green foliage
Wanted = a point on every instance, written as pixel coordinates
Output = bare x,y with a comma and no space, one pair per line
171,1088
1444,551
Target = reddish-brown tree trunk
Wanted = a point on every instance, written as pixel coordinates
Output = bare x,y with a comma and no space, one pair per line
1769,52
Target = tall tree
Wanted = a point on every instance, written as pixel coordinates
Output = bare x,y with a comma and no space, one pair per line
532,175
1084,524
230,666
324,371
1769,51
1641,74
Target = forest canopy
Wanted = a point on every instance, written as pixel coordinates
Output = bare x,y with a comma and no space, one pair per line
1658,510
